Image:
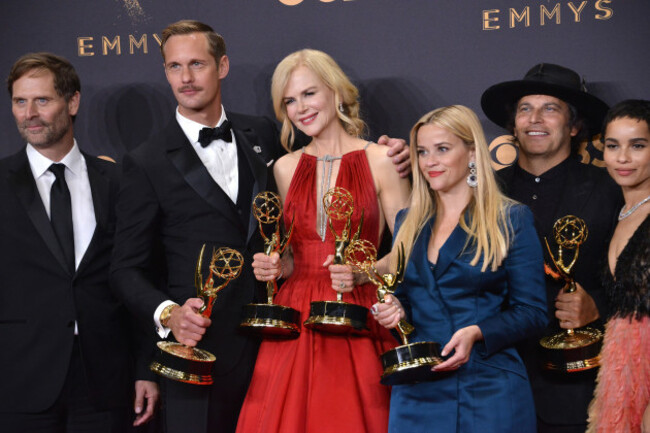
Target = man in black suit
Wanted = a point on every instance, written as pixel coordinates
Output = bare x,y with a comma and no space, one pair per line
66,359
181,191
549,112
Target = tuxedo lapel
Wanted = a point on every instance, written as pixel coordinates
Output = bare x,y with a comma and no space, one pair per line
22,181
247,141
187,162
100,190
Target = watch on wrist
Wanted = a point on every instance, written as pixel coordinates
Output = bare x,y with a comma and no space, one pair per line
166,314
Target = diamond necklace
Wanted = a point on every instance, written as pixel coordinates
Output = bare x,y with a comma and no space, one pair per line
622,215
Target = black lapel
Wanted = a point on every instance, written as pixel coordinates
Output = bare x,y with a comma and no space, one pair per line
247,140
188,163
100,190
22,180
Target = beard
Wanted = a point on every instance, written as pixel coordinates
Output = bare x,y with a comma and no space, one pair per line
51,133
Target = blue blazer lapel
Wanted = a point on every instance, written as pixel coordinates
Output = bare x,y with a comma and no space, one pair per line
22,179
420,260
451,249
188,163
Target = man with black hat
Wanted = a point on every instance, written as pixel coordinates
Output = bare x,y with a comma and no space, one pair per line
549,112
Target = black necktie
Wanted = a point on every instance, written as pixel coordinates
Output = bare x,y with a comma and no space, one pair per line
61,214
207,135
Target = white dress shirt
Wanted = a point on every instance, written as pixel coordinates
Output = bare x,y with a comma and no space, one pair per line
76,176
219,157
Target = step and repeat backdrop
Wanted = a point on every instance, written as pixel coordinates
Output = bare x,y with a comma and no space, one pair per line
406,56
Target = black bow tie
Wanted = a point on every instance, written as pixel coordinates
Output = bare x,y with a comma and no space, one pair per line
207,135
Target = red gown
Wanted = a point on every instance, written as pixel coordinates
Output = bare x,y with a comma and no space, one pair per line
321,382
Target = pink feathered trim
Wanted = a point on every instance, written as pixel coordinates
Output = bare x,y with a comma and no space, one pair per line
623,385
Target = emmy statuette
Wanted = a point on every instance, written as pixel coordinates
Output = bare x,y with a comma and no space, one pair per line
410,362
572,349
190,364
269,319
338,317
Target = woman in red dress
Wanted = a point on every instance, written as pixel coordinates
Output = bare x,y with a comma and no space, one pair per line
321,382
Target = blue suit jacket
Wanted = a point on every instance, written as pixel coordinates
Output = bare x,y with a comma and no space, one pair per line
491,392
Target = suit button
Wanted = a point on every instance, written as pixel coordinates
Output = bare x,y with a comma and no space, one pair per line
71,324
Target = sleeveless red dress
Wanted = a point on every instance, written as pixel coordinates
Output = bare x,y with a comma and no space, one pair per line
320,382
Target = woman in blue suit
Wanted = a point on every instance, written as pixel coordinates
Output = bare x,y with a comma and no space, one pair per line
474,283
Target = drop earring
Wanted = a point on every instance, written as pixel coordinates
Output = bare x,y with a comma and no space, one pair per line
341,107
472,178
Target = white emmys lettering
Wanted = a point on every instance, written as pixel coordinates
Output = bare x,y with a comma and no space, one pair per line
491,18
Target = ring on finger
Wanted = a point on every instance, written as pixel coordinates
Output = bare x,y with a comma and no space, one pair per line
341,285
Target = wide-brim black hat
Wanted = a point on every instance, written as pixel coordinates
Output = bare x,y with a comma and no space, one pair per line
544,79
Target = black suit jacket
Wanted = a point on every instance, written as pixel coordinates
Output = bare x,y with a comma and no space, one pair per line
593,196
40,300
169,206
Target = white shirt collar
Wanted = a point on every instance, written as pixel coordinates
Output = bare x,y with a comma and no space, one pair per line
40,163
192,128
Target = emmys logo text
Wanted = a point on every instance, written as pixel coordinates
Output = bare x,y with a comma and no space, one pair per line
548,13
88,46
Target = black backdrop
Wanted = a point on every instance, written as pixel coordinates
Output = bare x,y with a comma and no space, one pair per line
406,56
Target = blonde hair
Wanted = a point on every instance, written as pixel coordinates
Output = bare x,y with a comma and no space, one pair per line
489,228
346,95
